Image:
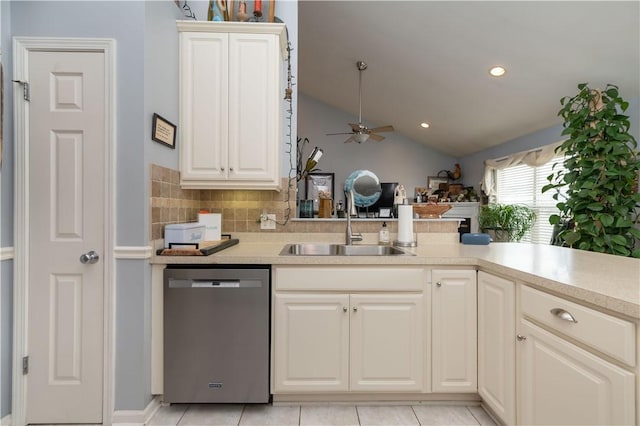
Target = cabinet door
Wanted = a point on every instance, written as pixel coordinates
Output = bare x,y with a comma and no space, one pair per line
562,384
496,345
454,334
311,342
254,105
203,105
387,342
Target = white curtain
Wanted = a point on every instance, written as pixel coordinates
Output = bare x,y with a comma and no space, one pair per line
537,157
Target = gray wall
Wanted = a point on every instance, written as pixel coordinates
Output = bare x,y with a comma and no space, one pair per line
473,165
6,217
124,22
6,335
395,159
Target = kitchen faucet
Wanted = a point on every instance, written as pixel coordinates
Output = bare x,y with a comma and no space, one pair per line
350,237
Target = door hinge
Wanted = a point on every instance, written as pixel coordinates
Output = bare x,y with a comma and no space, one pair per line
25,89
25,365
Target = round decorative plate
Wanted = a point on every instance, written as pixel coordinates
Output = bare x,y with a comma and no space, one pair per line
365,186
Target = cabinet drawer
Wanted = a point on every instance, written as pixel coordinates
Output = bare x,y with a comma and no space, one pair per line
351,278
609,335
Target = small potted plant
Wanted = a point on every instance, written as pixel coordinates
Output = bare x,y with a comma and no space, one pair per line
506,222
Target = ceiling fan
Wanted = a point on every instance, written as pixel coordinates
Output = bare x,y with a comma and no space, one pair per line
359,132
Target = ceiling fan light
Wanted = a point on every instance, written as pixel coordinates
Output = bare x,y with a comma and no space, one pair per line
497,71
361,137
425,125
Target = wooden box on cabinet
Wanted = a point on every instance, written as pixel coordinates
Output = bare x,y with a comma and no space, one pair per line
230,103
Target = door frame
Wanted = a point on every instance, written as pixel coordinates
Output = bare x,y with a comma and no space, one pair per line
22,46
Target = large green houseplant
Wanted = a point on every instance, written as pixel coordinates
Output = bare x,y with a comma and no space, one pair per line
506,222
600,176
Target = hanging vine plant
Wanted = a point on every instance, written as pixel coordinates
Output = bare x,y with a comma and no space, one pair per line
602,205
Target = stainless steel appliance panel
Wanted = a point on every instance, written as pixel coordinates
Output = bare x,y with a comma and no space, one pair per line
216,335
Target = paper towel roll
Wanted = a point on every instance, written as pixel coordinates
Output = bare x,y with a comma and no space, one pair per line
405,223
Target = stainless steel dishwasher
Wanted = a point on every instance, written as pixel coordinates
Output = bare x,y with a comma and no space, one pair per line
216,333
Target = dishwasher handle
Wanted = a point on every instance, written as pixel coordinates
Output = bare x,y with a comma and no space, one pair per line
214,283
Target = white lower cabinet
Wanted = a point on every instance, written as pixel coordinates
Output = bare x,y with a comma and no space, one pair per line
349,342
387,341
454,331
561,384
496,345
312,342
348,329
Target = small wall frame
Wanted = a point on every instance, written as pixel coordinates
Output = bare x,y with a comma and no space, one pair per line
163,131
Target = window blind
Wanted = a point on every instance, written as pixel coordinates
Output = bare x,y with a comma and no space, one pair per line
523,184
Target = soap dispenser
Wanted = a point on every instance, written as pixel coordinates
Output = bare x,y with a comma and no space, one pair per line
384,234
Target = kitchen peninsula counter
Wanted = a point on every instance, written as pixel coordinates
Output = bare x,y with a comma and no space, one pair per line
604,281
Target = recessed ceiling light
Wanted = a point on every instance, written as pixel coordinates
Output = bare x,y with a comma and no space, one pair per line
497,71
425,125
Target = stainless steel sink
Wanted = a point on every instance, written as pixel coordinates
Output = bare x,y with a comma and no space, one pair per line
313,249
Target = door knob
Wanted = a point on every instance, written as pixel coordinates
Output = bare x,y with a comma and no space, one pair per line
90,257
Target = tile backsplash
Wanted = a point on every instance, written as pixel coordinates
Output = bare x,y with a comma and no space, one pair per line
241,209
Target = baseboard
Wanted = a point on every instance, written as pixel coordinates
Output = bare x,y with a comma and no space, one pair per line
6,420
136,417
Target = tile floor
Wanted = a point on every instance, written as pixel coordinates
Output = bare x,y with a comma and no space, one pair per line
318,415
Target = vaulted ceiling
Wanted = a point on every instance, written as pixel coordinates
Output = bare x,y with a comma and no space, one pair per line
428,61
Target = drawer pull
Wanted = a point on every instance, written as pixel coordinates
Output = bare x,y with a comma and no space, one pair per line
344,309
563,315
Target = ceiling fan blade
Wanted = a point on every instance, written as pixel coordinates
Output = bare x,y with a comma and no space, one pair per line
382,129
333,134
375,137
351,139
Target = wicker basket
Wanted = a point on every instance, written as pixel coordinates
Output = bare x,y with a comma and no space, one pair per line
430,210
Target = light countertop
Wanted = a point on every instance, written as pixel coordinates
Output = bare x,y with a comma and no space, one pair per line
604,281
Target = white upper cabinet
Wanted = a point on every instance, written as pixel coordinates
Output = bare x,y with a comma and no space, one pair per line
230,103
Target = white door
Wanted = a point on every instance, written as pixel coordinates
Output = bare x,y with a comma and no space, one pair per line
311,342
561,384
66,206
387,342
454,332
496,345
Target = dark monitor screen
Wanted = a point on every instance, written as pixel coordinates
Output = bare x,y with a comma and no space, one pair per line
386,198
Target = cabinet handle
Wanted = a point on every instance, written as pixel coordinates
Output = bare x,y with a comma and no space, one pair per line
230,169
344,309
222,169
521,338
355,309
563,315
439,284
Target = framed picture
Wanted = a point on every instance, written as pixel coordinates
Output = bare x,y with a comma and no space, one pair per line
434,182
163,131
319,185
